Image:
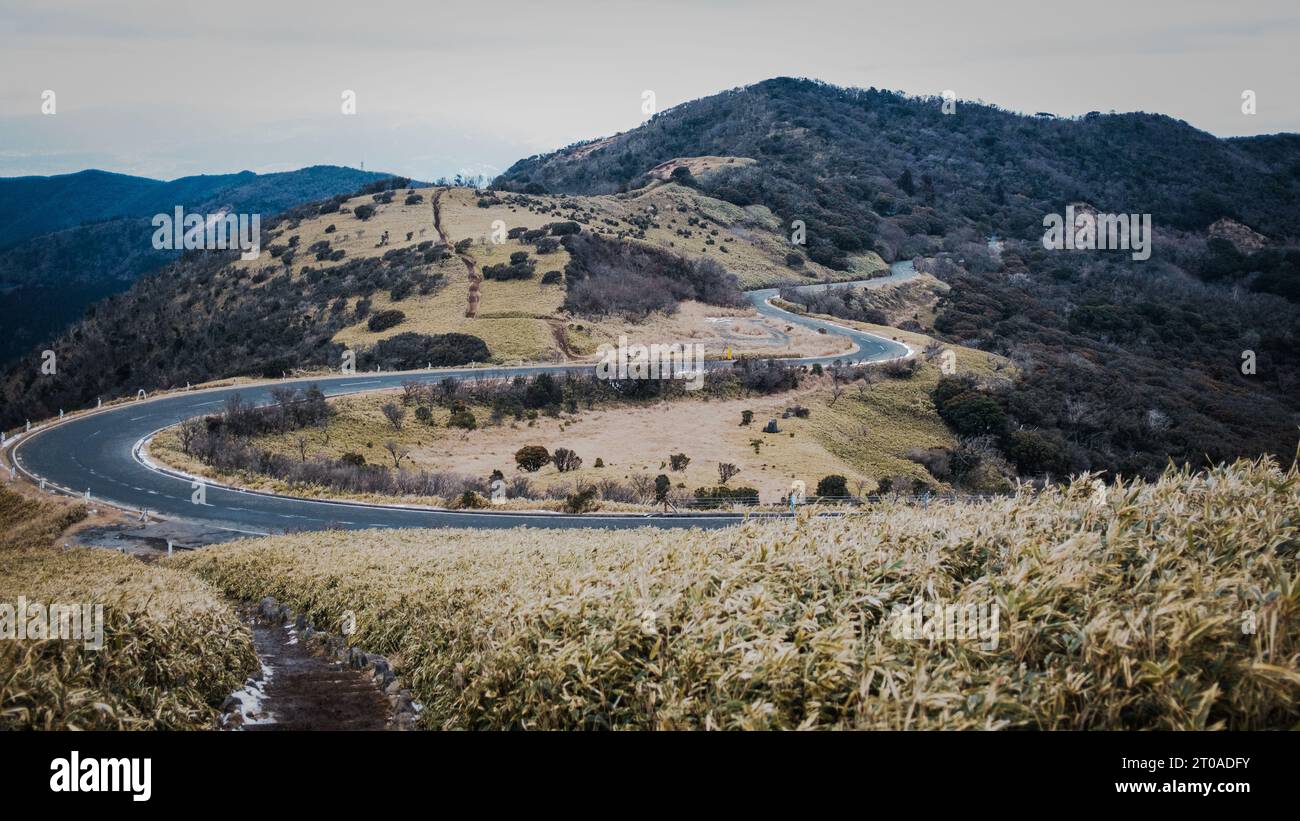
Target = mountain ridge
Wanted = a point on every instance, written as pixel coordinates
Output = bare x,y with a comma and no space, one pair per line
857,143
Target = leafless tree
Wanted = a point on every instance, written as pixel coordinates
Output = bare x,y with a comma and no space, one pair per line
411,391
284,398
726,470
837,390
566,460
643,485
301,442
394,413
188,433
398,452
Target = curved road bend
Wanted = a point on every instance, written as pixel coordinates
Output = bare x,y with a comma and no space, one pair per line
98,452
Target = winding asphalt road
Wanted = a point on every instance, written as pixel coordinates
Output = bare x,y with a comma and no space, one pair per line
99,452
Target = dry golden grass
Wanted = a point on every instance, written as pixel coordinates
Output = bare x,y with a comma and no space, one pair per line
1123,614
873,431
522,336
513,316
358,238
698,166
172,649
756,241
521,320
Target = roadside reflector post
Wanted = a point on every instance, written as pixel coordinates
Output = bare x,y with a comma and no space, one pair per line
169,548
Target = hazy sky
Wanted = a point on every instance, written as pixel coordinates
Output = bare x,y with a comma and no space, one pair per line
166,89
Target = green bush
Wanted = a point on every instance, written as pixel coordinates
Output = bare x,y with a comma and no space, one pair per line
833,485
1034,453
532,458
710,497
409,351
972,414
583,501
385,320
662,486
462,418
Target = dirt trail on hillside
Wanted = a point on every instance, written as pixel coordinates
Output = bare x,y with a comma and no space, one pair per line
301,690
471,266
561,334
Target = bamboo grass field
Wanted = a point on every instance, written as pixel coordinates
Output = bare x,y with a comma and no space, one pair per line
1124,613
173,650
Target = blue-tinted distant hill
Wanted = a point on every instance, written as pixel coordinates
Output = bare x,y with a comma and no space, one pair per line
70,240
32,206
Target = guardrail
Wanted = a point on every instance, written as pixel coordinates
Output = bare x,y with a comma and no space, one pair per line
705,502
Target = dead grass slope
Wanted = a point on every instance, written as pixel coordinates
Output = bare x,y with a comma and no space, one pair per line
1127,613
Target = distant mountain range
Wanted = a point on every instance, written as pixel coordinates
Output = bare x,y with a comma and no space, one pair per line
69,240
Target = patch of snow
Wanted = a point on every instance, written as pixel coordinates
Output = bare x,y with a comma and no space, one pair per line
252,696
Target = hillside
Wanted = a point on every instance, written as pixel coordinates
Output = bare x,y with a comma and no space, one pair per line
71,240
807,623
1124,364
867,168
371,272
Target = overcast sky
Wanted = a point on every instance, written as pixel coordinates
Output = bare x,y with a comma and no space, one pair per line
166,89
